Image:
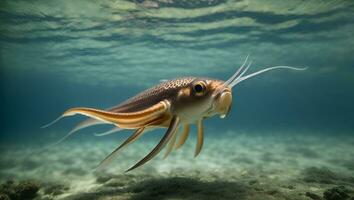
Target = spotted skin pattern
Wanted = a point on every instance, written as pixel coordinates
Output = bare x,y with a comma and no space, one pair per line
165,90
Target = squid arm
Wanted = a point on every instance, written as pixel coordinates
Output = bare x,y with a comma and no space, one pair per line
171,144
183,137
114,153
170,131
130,120
200,138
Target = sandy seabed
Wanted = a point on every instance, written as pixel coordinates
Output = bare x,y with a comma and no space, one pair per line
237,166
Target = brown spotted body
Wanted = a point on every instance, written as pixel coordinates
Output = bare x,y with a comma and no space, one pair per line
153,95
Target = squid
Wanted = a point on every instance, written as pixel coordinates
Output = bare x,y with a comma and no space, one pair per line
173,105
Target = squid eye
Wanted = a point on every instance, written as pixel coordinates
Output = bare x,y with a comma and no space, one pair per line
199,89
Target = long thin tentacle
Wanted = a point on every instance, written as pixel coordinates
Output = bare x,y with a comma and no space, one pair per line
240,79
200,138
171,144
237,72
233,77
244,71
171,129
183,136
85,124
114,153
113,130
69,134
52,122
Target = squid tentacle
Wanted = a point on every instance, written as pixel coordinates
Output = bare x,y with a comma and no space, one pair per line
113,130
171,144
170,131
235,75
242,78
114,153
86,123
200,138
183,137
130,120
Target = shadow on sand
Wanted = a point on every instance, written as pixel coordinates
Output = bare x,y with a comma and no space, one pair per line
186,188
171,188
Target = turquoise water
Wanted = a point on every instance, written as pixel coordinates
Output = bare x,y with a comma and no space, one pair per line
289,135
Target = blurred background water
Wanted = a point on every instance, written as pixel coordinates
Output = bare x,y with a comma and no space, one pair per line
61,54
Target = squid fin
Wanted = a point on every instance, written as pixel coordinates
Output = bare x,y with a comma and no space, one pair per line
183,137
131,139
170,131
200,138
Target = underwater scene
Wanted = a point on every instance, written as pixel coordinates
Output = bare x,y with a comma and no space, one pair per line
211,99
